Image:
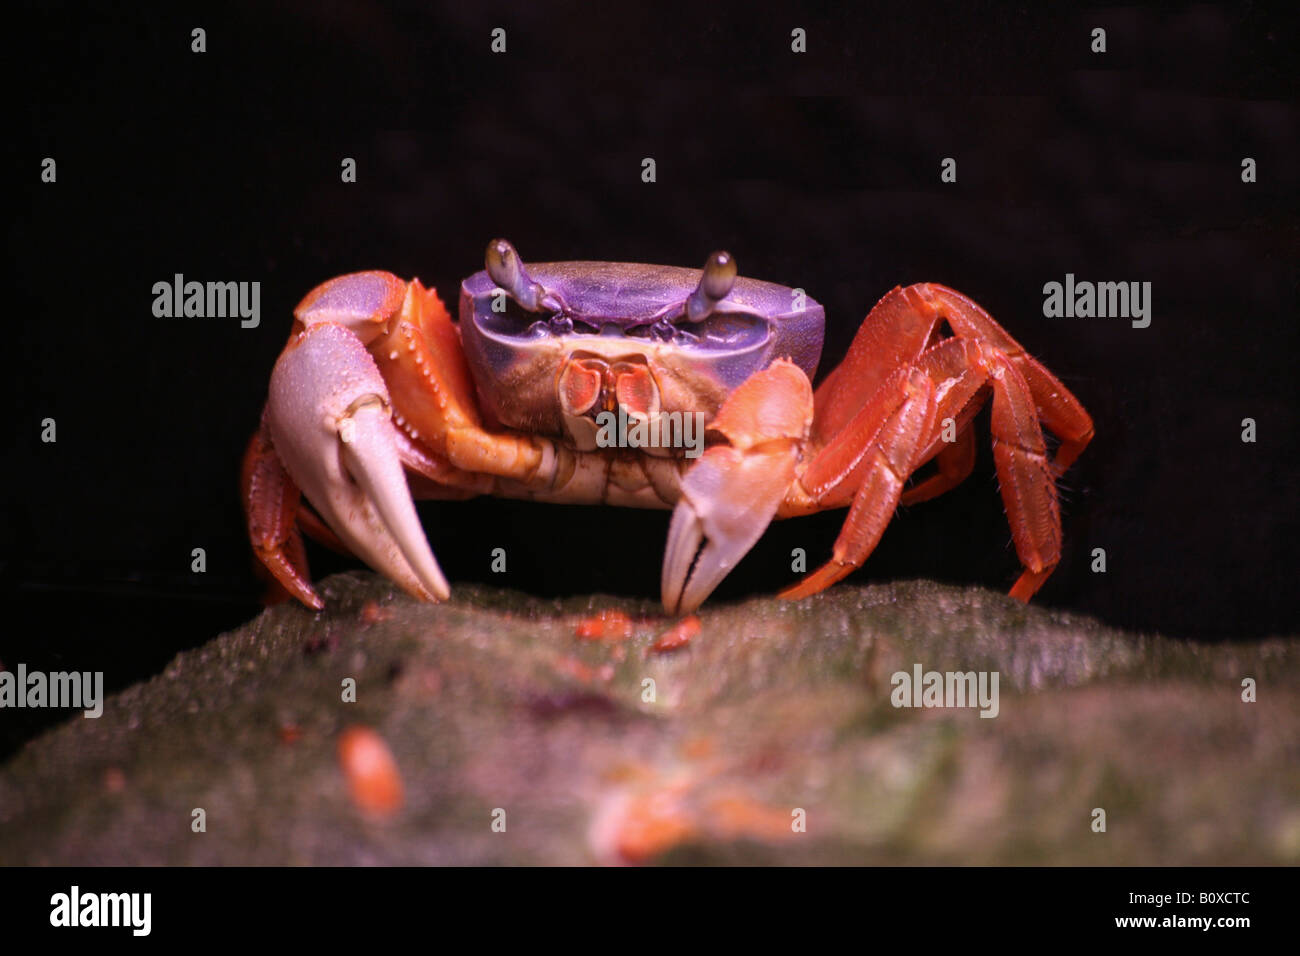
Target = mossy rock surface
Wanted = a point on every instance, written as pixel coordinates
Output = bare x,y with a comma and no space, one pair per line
774,714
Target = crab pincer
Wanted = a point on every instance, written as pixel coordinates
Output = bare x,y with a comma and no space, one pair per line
329,415
732,494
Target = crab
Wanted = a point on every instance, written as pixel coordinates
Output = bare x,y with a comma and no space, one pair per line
379,398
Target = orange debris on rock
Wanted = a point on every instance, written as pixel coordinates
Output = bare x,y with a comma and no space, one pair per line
605,626
372,613
372,774
677,636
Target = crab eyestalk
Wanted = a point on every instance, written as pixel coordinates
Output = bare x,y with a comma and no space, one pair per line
715,285
507,270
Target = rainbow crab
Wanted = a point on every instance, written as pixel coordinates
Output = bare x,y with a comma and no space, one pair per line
379,397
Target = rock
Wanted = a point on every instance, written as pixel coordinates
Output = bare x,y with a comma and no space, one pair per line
769,738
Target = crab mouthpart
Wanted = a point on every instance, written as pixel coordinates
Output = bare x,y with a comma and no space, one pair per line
590,385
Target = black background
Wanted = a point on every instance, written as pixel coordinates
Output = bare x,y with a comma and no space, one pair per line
818,170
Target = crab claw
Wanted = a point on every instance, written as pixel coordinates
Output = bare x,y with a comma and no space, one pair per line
329,418
731,495
728,498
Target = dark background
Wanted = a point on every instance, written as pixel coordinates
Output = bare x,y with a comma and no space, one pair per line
819,170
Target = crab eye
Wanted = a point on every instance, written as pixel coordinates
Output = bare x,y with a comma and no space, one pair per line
723,331
517,322
660,331
665,332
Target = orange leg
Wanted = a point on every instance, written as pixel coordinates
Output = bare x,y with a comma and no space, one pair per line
271,502
431,476
869,437
1028,483
893,336
879,449
956,461
1025,393
1057,408
959,370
